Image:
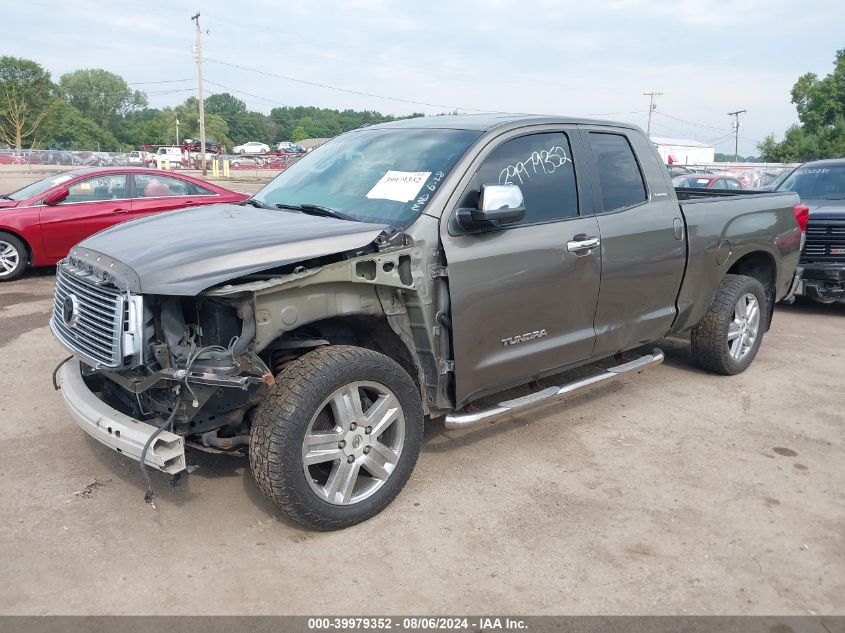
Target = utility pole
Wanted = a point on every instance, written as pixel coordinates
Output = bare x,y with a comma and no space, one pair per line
735,115
177,131
651,108
198,47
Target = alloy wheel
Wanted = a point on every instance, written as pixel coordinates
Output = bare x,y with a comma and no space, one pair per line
743,330
353,442
9,258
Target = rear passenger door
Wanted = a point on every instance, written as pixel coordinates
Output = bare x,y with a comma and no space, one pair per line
643,246
154,193
523,296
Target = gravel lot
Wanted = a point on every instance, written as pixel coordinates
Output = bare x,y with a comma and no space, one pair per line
673,491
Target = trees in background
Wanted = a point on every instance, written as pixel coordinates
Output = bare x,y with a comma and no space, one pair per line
66,127
92,108
301,122
27,98
821,110
100,95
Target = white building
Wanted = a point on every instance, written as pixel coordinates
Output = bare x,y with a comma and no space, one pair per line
682,151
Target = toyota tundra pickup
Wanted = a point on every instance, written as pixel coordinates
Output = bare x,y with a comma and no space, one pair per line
404,272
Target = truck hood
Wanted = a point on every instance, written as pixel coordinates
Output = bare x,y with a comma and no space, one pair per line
821,207
185,252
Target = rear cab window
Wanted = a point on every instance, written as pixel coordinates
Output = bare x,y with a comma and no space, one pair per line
621,182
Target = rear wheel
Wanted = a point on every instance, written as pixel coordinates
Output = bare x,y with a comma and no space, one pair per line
336,439
13,257
727,339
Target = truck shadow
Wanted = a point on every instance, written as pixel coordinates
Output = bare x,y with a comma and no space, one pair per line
203,466
803,305
437,439
677,355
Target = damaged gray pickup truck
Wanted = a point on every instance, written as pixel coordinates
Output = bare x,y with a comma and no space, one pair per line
401,272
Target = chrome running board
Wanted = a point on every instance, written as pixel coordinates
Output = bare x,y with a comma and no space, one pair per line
552,394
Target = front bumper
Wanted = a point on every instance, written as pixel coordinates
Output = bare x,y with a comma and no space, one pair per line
117,430
824,281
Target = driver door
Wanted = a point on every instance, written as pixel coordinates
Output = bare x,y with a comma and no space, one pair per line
523,297
93,204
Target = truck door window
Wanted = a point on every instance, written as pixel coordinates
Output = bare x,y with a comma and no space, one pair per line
541,164
620,178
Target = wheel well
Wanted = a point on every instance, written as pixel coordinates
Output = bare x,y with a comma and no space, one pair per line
363,331
22,239
761,266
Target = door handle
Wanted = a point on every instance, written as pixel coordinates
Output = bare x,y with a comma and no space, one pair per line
120,211
582,243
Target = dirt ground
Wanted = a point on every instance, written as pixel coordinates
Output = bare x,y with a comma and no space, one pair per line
671,492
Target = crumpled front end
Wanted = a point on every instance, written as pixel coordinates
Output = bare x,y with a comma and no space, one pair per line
142,360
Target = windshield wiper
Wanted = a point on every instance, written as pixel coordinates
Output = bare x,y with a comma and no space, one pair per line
313,209
256,203
5,197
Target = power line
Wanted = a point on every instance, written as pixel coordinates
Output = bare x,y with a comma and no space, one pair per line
604,113
709,127
161,93
249,94
164,81
347,90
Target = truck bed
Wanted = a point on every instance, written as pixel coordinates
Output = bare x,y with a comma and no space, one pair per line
721,223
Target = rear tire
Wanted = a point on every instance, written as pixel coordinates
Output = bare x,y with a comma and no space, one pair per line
14,257
727,339
337,437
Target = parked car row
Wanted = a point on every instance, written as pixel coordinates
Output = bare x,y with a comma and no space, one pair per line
63,157
255,147
751,176
175,156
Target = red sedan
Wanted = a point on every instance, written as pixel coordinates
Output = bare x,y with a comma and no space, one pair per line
707,181
41,222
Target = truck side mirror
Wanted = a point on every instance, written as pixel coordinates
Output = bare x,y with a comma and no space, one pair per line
55,197
497,205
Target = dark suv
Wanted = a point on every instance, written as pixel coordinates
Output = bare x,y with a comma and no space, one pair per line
821,185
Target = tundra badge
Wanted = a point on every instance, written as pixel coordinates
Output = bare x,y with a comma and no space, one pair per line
523,338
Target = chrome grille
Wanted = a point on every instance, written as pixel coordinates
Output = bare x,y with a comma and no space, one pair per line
88,317
825,241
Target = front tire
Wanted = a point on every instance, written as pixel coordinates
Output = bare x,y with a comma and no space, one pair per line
337,437
727,339
13,257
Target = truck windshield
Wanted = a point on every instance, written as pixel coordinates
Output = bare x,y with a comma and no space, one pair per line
819,182
385,176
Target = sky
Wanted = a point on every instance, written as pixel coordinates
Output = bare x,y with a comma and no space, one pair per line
566,57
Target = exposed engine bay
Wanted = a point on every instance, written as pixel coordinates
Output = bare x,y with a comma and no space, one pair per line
197,358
